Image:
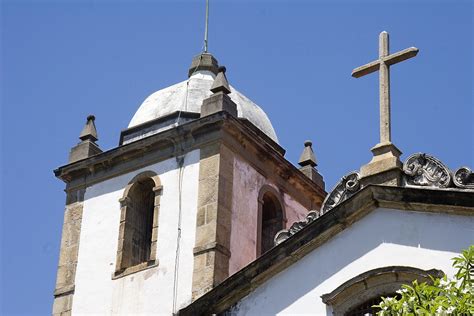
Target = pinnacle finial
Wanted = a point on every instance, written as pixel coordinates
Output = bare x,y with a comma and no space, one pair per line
89,132
307,156
203,61
221,83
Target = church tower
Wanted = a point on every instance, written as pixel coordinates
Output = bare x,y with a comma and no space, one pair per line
196,190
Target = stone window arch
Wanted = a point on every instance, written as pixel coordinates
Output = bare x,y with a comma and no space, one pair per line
271,218
138,230
356,296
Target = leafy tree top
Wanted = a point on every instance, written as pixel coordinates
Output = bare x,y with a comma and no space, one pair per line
442,297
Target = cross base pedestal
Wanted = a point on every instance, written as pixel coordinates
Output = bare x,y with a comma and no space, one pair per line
385,167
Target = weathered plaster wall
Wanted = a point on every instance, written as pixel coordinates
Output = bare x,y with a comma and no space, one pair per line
246,188
148,291
383,238
294,210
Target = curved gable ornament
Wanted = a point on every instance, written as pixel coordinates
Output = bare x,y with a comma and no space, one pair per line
425,170
419,170
464,178
284,234
344,189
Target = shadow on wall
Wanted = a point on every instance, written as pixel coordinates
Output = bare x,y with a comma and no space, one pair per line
410,229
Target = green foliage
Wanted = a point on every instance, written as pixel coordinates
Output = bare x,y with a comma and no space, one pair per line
441,297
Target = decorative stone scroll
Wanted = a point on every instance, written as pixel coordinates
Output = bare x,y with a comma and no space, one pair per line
424,170
464,178
284,234
343,190
419,170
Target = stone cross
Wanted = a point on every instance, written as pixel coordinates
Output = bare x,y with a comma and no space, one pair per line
383,65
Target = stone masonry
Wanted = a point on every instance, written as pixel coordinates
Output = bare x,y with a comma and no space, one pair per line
64,291
211,252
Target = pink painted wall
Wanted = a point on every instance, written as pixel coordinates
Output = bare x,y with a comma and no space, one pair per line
294,211
246,188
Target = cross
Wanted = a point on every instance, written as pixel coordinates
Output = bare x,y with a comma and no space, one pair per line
383,65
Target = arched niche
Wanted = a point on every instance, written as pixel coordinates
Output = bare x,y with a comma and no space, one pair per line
355,296
271,218
138,230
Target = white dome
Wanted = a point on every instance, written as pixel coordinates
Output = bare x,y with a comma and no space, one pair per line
188,96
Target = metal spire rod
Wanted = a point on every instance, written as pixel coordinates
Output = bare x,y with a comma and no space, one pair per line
206,27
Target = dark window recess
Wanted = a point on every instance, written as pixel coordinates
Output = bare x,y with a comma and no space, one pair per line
272,221
366,308
139,223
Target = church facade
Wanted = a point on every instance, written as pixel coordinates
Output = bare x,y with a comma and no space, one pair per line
198,212
343,261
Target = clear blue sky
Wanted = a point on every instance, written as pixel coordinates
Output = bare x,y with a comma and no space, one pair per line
62,60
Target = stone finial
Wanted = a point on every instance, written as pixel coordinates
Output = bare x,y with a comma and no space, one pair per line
89,132
204,61
219,100
308,164
221,83
307,157
87,146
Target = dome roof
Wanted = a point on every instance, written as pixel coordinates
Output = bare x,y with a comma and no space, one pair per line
188,96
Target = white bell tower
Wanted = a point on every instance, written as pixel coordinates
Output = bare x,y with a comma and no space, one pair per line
195,191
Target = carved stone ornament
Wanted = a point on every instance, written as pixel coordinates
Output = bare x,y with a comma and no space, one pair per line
419,170
343,190
464,178
284,234
424,170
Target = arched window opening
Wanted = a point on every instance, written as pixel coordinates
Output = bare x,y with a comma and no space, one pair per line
271,219
138,224
357,296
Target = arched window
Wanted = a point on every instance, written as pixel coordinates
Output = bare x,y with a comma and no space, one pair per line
357,296
271,218
138,224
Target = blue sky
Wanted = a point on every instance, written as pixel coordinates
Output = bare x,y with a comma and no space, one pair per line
62,60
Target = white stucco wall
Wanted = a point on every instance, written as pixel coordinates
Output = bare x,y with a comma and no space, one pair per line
149,291
246,187
383,238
